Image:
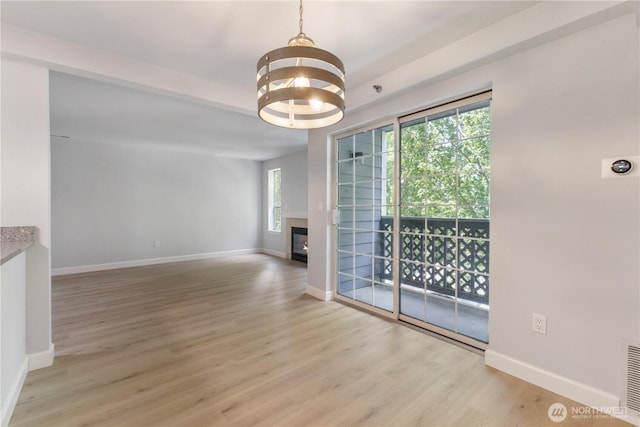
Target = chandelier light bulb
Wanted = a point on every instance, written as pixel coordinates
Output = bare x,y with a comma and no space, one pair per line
301,82
316,104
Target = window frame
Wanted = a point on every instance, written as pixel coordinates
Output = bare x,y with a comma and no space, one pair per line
274,208
399,122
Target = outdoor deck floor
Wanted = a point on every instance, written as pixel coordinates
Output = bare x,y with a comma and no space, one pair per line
470,321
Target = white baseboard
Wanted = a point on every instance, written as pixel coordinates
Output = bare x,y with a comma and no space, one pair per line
555,383
150,261
12,396
317,293
41,359
274,253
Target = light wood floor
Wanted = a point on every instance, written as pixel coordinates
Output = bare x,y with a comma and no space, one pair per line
236,342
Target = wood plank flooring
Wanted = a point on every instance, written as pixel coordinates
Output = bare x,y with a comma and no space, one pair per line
236,342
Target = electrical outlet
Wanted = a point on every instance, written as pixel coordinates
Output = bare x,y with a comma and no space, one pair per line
539,324
156,243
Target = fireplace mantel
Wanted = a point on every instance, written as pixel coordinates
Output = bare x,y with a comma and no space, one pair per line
299,220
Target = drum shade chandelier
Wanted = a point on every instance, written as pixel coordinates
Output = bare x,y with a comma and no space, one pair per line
300,86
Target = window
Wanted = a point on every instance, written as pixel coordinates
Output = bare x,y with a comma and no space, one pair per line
275,211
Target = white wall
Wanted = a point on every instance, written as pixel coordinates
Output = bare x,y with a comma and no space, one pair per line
548,190
24,200
294,197
25,197
564,242
13,355
319,206
112,202
25,147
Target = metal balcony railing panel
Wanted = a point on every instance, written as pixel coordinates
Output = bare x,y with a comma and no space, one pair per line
446,256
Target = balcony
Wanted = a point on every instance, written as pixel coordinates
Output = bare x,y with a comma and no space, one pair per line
444,270
429,255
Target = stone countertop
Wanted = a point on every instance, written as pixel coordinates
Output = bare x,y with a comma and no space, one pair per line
15,240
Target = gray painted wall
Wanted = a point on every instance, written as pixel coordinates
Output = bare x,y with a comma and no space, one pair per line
554,240
111,203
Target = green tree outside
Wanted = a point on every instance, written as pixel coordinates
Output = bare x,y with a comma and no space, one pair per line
445,165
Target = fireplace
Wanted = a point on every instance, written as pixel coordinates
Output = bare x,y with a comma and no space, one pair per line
299,244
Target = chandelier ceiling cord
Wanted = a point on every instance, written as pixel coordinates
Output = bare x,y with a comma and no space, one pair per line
300,86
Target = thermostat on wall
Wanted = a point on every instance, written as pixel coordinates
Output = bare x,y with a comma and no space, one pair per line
623,166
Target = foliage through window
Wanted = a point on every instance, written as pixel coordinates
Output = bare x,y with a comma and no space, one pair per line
445,163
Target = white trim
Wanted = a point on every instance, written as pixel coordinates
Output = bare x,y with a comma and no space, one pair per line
317,293
12,396
272,191
273,253
81,60
151,261
452,104
42,359
631,419
555,383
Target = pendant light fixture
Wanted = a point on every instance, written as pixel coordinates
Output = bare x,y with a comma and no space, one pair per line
300,86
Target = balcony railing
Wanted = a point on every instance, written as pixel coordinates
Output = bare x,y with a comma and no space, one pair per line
450,260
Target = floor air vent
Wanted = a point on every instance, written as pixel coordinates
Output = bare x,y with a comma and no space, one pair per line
631,392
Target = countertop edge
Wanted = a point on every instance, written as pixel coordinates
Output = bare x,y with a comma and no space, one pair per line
15,240
10,250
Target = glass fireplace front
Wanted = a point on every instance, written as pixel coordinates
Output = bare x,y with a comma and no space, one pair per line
299,244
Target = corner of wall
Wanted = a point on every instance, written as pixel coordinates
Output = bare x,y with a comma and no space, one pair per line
278,254
41,359
12,395
317,293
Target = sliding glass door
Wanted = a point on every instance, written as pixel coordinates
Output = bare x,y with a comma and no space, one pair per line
421,254
444,223
364,201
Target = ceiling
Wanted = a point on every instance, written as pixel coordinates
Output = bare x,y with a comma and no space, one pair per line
220,42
